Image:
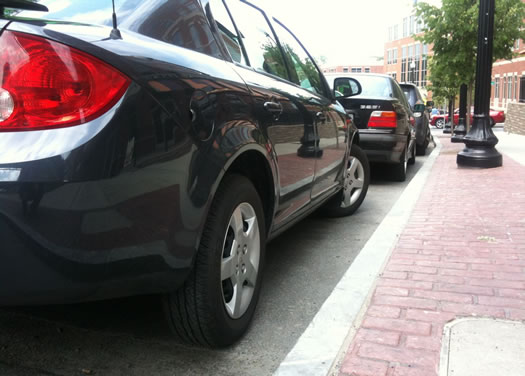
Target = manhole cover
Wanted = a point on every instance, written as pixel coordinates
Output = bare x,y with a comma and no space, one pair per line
483,347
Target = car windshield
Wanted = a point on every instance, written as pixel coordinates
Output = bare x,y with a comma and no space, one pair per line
374,86
92,12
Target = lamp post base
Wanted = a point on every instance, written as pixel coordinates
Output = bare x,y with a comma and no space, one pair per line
479,156
447,128
459,132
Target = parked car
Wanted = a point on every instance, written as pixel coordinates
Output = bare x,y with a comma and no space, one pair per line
156,150
419,109
384,118
496,116
438,119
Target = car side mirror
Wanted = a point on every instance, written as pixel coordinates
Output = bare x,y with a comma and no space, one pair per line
419,109
345,87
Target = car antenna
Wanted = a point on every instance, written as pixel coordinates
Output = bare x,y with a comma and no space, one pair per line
21,4
115,33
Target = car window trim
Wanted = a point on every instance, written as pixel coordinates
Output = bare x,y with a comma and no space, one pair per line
205,4
321,76
247,58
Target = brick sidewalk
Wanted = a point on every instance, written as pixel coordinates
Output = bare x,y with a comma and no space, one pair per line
461,254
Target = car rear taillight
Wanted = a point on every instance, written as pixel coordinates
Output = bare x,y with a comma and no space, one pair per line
45,84
382,119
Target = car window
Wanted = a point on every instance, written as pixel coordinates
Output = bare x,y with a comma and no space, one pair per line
257,37
399,94
303,70
178,22
227,31
375,86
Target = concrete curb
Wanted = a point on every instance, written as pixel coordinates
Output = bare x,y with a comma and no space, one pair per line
318,348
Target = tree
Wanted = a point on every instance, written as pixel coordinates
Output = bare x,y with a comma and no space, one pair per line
453,32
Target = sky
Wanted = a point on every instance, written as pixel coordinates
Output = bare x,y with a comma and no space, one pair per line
346,32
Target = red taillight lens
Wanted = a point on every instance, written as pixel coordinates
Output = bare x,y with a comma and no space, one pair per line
45,84
382,119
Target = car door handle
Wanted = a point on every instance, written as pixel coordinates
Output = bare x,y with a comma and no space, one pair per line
320,116
273,107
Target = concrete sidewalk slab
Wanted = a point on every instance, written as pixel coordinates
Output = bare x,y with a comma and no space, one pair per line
483,347
512,145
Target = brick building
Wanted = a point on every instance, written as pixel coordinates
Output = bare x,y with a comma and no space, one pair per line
354,69
508,80
406,60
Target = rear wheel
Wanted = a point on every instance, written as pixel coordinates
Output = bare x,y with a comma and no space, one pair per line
422,149
412,159
440,123
216,304
355,186
400,169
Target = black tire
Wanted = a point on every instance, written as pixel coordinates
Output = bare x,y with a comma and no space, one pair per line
422,149
412,159
198,312
399,171
358,171
440,123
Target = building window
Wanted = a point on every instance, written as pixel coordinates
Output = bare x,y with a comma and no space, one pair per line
412,23
496,89
516,87
419,25
356,70
509,88
522,89
367,70
345,69
390,33
394,59
424,61
396,36
504,88
404,64
417,53
394,76
405,27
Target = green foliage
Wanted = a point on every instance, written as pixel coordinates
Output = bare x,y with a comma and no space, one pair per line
453,32
8,12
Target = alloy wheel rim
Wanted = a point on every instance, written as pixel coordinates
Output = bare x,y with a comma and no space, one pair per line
240,260
354,182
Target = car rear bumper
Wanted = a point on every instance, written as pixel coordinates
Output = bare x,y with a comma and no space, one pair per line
50,254
383,147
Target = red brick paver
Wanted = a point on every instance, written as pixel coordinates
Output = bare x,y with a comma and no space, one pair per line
461,254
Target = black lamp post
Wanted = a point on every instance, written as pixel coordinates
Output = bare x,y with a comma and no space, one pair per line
480,140
447,128
461,129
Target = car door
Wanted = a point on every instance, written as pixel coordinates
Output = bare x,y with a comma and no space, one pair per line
326,139
282,116
406,120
